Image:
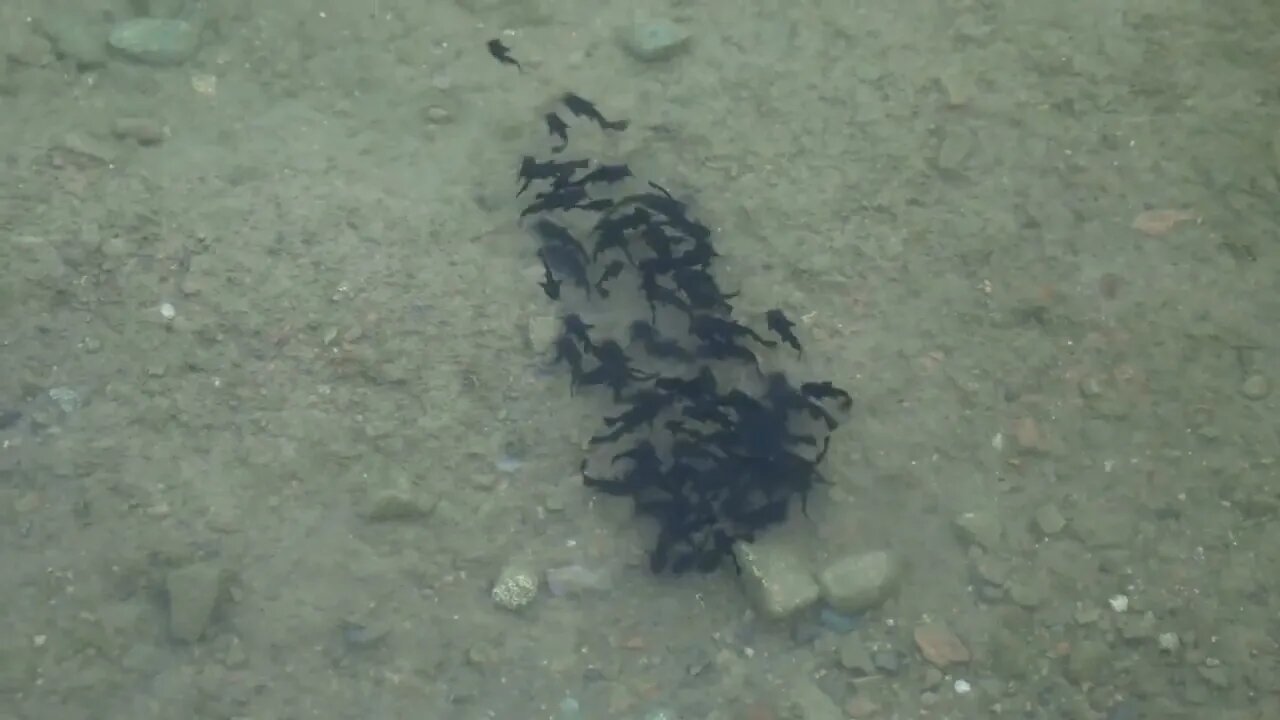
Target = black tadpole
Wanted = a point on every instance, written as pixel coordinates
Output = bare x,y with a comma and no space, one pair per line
782,326
558,130
502,53
584,108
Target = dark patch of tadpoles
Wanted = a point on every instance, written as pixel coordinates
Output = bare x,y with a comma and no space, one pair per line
712,464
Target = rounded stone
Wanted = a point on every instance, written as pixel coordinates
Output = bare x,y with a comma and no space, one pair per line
155,41
856,583
1255,387
654,40
437,115
76,37
517,586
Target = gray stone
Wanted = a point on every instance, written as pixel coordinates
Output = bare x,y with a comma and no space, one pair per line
143,131
1215,675
855,656
437,115
76,37
979,528
1255,387
995,570
777,582
1028,589
83,151
358,636
654,40
860,582
398,505
155,41
1049,520
575,579
194,593
21,45
67,399
887,661
958,145
517,584
806,701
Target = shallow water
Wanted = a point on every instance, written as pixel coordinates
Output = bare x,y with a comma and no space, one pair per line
1035,242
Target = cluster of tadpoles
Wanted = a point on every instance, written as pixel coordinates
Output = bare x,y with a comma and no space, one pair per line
712,465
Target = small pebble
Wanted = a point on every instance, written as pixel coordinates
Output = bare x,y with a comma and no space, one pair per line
437,115
1090,387
940,646
654,40
569,710
155,41
74,36
1168,642
139,130
574,579
508,464
855,656
1049,520
83,151
886,661
397,505
1028,436
1255,387
357,636
516,586
194,592
66,398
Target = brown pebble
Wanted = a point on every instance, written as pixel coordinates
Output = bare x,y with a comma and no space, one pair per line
940,646
140,130
1026,431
